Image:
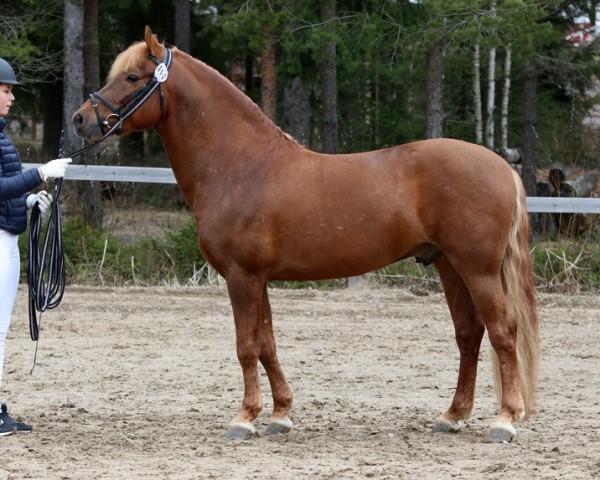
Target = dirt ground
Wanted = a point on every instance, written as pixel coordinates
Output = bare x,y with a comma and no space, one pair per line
142,382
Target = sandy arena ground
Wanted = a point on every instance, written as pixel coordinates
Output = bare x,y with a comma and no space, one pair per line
140,383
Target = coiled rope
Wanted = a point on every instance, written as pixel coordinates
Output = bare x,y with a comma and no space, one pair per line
45,263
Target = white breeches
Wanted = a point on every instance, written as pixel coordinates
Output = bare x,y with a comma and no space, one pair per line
9,281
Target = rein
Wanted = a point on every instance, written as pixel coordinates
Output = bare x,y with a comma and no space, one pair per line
45,263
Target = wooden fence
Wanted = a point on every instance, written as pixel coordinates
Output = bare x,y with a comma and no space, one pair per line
165,175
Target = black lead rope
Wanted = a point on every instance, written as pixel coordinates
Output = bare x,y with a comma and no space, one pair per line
45,265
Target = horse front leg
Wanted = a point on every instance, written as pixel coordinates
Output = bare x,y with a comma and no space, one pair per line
282,394
246,295
469,331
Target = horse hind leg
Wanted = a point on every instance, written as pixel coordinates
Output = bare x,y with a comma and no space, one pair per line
491,302
282,394
469,331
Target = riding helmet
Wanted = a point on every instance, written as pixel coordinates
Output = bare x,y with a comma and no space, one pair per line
7,75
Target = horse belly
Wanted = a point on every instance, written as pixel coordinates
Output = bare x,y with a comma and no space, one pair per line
339,250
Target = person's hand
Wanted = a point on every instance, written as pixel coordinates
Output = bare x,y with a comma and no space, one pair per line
55,168
42,198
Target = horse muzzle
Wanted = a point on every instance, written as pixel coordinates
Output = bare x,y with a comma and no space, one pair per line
85,125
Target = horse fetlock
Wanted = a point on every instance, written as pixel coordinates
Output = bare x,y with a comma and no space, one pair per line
510,415
283,406
252,406
248,413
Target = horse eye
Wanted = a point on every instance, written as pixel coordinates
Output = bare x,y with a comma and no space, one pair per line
132,78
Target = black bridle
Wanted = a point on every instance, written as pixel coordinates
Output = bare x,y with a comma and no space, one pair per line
138,98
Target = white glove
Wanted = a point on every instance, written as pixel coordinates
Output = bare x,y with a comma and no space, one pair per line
55,168
42,198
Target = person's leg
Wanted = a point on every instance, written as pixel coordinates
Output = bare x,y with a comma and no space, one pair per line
9,282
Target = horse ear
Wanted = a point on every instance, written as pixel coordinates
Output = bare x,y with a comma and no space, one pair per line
154,47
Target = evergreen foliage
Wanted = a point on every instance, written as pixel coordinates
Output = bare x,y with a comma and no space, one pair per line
381,68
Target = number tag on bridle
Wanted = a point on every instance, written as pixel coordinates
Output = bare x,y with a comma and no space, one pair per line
161,73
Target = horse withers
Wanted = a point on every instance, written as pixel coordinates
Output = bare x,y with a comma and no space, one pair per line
267,208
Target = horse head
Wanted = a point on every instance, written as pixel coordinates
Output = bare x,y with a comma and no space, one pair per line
133,98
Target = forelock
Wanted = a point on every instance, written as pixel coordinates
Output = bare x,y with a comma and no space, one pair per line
131,60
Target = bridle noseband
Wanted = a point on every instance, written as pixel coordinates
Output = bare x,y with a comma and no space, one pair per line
138,98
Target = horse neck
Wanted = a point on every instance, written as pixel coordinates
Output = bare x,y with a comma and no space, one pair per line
211,125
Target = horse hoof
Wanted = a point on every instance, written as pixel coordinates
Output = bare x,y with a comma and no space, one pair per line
239,432
502,433
277,427
444,425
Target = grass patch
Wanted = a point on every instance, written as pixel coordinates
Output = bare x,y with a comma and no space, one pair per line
567,266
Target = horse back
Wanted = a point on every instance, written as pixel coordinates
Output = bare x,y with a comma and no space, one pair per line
367,210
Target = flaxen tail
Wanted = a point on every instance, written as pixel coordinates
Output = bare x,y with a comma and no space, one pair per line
519,287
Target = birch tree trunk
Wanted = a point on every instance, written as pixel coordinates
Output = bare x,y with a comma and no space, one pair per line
491,100
477,94
505,99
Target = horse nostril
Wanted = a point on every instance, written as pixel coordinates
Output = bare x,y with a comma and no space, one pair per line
77,120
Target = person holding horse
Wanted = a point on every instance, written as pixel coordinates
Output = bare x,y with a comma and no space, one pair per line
15,200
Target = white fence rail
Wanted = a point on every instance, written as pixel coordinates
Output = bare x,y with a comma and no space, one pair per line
165,175
563,205
101,173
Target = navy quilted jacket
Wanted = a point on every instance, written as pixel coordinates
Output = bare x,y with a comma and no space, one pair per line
14,185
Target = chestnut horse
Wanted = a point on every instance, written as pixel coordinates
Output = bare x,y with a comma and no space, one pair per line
267,208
